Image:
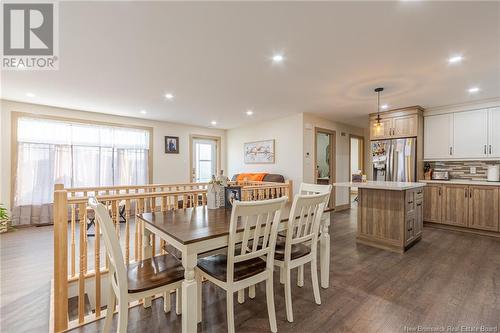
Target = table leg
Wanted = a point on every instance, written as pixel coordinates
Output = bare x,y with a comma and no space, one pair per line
189,294
324,255
146,253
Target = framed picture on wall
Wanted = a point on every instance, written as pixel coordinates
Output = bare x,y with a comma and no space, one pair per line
259,152
171,145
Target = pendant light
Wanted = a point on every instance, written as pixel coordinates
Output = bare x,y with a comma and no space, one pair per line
378,91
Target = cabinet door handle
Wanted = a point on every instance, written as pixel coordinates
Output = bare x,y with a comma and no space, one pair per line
470,193
419,204
466,193
451,150
484,149
439,191
490,149
410,202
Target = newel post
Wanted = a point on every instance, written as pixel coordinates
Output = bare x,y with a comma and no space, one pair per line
60,258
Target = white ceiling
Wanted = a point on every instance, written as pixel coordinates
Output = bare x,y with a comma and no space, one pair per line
121,57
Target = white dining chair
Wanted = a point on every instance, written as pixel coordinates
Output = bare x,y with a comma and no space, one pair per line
136,281
250,262
301,243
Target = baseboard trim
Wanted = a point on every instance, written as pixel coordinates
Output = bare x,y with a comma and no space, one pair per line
340,208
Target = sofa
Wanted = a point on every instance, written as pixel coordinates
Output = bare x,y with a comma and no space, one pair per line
270,177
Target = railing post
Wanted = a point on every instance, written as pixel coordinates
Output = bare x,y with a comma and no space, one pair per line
60,258
290,190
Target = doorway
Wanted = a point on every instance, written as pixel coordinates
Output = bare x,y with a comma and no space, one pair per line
324,158
356,160
205,158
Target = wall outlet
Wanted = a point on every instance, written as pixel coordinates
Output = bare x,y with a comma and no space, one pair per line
472,170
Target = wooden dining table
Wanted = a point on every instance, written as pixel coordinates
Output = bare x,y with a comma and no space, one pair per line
198,230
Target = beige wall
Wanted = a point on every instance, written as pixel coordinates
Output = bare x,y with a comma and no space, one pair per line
342,132
167,168
287,133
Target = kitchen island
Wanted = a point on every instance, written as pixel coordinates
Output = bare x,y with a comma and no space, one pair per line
390,214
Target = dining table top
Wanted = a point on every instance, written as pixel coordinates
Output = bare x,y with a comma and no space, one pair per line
195,224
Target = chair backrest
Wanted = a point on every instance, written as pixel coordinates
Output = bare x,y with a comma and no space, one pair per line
304,220
260,220
117,269
306,188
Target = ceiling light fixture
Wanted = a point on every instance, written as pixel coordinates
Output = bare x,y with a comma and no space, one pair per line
143,111
30,94
474,90
384,107
213,122
169,96
277,58
249,112
455,59
378,91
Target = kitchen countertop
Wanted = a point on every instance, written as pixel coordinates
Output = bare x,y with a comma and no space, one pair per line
461,182
382,185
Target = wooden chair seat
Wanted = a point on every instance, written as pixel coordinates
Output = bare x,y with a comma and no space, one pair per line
298,251
216,266
154,272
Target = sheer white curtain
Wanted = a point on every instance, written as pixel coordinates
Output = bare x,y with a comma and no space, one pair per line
76,155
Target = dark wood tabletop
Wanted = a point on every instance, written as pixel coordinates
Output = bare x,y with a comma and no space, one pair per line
196,224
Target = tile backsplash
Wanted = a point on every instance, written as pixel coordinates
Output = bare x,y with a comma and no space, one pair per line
461,169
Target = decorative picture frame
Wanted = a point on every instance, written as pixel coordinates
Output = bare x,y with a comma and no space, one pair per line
231,193
171,145
259,152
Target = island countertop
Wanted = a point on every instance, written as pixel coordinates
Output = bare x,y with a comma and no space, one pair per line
382,185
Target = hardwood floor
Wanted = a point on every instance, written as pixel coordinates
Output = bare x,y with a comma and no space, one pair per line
447,279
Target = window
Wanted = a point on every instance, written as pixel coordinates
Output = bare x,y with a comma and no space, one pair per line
77,155
205,159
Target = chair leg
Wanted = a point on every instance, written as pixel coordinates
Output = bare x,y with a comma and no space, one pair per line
251,291
270,304
230,311
122,316
282,275
110,310
178,301
300,276
314,276
241,296
200,302
167,304
288,295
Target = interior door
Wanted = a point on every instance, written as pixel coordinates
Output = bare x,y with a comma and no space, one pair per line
204,159
455,205
470,134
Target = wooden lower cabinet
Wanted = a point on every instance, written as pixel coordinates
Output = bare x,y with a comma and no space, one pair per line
467,206
432,203
483,208
454,204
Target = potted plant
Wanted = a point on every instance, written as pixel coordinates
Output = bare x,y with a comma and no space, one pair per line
4,219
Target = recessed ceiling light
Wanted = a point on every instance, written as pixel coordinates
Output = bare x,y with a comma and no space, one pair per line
278,58
30,94
169,96
473,90
249,112
455,59
143,111
213,122
384,106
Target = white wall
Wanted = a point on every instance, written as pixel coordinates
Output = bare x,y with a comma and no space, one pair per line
342,132
287,133
167,168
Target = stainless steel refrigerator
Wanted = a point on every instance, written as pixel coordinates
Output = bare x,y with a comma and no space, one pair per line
394,160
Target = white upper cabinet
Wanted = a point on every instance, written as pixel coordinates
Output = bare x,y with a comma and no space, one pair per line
438,134
494,132
470,134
